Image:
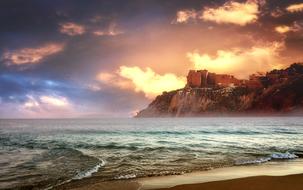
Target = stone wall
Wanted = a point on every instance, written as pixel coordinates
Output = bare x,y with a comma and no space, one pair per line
205,79
194,79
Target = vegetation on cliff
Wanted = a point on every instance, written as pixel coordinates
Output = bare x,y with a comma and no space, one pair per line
281,92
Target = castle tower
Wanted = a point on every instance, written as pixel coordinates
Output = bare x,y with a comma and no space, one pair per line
194,79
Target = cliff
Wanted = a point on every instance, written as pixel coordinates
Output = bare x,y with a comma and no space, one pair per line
278,91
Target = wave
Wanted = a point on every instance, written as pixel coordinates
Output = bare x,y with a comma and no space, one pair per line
285,155
255,161
89,172
274,156
126,176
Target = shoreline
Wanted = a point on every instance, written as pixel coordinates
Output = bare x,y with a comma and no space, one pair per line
238,177
293,182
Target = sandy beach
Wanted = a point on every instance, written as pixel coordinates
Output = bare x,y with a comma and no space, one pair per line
269,176
293,182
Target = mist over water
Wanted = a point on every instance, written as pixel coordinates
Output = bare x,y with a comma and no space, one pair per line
44,153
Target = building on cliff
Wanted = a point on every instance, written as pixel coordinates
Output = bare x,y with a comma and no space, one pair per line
205,79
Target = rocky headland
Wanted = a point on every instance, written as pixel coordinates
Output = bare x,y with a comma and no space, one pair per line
275,92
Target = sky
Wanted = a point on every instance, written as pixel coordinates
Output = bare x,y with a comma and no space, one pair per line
100,58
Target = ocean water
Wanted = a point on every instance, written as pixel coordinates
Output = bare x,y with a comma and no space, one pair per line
45,153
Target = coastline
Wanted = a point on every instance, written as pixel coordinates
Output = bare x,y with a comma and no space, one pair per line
293,182
270,175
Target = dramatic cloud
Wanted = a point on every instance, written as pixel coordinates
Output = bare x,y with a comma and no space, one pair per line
31,103
114,79
54,101
151,83
233,12
93,42
184,16
293,28
45,100
282,29
239,62
31,55
111,31
46,106
72,29
148,82
295,7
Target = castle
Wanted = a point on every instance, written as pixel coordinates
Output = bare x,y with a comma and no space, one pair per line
205,79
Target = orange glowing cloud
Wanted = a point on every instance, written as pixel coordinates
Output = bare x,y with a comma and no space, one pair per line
293,28
184,16
114,79
146,81
283,29
233,13
31,55
239,62
151,83
295,7
72,29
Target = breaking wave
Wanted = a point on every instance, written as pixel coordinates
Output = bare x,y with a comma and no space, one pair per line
274,156
89,172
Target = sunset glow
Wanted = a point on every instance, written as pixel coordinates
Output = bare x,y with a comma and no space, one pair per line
236,62
86,58
233,12
151,83
295,7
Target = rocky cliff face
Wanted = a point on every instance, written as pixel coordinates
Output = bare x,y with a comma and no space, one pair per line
282,92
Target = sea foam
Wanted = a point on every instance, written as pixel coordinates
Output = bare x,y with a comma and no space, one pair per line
127,176
274,156
89,172
285,155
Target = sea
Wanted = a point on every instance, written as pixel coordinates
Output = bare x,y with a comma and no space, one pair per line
45,153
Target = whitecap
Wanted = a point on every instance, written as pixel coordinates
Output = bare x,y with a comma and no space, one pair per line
127,176
89,173
255,161
285,155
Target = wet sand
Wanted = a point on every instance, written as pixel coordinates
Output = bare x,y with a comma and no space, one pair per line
95,184
269,176
291,182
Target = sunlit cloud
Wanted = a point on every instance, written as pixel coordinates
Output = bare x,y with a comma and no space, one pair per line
114,79
293,28
240,62
31,103
31,55
54,101
233,13
72,29
151,83
295,7
112,30
46,106
282,29
184,16
139,80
